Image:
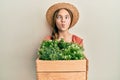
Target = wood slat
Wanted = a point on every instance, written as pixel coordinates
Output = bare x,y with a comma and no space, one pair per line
61,65
62,76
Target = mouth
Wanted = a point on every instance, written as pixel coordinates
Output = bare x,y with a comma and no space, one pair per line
63,25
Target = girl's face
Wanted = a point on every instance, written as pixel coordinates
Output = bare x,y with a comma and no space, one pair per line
63,20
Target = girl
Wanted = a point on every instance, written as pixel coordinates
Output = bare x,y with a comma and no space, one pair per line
61,17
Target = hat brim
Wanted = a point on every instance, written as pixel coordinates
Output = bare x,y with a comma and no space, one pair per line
53,8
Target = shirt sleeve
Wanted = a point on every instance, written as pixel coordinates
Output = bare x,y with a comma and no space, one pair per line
78,40
47,38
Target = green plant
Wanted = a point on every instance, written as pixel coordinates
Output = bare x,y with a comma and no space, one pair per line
60,50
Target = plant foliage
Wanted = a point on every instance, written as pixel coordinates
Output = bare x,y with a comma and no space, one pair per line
60,50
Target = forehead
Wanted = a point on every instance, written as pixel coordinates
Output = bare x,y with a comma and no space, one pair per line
63,12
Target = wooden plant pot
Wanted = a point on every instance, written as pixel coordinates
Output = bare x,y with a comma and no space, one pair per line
62,69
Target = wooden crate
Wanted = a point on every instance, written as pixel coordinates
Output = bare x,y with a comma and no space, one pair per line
62,69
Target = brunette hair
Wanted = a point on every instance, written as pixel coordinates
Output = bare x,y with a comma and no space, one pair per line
54,26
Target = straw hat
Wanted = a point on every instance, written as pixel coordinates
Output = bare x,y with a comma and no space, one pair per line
53,8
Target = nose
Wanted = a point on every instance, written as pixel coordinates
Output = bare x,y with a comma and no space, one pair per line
63,19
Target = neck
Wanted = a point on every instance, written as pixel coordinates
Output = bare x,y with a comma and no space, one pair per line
66,36
63,34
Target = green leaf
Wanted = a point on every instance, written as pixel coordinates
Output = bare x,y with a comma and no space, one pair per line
60,50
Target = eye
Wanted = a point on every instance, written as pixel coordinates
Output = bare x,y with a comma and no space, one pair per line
59,17
66,17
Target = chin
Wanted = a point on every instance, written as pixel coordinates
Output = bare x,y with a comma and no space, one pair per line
63,30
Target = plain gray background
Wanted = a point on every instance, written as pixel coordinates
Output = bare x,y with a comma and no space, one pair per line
23,26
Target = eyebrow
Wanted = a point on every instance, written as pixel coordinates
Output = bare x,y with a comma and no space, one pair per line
61,15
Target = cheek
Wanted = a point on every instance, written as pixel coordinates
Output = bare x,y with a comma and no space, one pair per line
57,22
68,22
